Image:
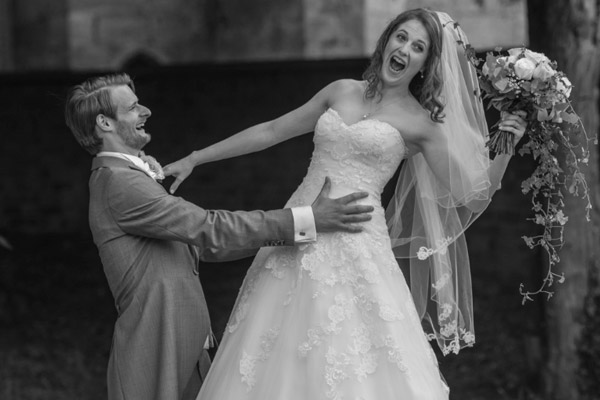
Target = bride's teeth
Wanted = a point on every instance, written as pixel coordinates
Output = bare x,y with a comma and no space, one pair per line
396,64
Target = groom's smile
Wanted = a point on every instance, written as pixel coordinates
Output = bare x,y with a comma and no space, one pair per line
131,118
140,127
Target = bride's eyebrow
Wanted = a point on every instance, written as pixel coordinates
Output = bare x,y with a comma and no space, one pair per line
421,41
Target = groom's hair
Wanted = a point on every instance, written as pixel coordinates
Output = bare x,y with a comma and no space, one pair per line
86,101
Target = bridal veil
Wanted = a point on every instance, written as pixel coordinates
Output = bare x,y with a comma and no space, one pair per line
427,217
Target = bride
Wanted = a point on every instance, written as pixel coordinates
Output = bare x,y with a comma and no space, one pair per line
335,319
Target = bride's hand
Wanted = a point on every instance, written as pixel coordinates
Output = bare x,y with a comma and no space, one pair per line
514,123
180,169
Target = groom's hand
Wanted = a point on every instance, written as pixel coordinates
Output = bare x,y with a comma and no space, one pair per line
338,214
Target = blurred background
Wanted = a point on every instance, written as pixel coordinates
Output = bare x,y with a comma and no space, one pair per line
206,69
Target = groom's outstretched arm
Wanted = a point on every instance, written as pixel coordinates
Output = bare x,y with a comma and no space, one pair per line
145,209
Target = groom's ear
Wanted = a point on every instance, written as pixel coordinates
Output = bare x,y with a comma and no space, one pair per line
104,123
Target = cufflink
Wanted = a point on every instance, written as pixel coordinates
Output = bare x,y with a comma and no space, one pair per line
274,243
302,233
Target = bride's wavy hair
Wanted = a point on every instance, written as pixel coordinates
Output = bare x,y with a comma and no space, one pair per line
427,89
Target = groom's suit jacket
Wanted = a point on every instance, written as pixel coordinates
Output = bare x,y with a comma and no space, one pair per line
150,243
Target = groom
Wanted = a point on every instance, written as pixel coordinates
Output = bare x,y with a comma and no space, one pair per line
150,243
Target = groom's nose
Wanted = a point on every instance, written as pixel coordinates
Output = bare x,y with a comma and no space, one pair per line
145,111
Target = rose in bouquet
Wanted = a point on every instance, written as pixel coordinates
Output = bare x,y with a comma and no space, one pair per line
523,80
528,81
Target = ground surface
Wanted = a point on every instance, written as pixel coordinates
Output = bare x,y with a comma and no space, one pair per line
56,317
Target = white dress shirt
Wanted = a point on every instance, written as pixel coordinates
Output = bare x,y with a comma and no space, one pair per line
138,162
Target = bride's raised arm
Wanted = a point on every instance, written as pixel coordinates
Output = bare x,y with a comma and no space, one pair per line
258,137
469,182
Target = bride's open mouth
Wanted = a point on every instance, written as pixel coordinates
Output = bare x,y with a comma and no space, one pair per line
397,64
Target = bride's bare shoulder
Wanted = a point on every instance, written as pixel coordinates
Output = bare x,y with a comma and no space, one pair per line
345,87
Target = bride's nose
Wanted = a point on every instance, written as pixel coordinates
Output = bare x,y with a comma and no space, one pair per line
402,50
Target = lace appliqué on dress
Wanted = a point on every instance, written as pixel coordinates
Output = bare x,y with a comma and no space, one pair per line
248,362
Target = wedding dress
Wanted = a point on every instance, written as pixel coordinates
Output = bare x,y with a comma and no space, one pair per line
333,319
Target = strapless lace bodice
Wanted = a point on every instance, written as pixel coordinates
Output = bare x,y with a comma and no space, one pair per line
362,156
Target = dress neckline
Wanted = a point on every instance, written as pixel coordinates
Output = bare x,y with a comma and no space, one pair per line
339,117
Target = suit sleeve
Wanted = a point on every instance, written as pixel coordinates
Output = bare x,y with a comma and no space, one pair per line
144,208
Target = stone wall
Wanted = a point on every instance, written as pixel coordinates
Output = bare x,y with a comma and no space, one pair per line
105,34
488,23
6,36
86,35
258,30
333,28
39,35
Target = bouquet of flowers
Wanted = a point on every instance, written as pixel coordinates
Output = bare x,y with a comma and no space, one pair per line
529,81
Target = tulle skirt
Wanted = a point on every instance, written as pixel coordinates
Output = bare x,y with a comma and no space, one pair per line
329,320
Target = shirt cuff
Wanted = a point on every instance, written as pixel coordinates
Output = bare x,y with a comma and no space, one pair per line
305,230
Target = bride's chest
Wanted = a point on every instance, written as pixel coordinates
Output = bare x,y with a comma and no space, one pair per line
366,138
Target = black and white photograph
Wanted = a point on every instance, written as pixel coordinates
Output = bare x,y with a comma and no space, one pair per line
299,200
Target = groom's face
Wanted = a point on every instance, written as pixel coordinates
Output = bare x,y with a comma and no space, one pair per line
131,117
